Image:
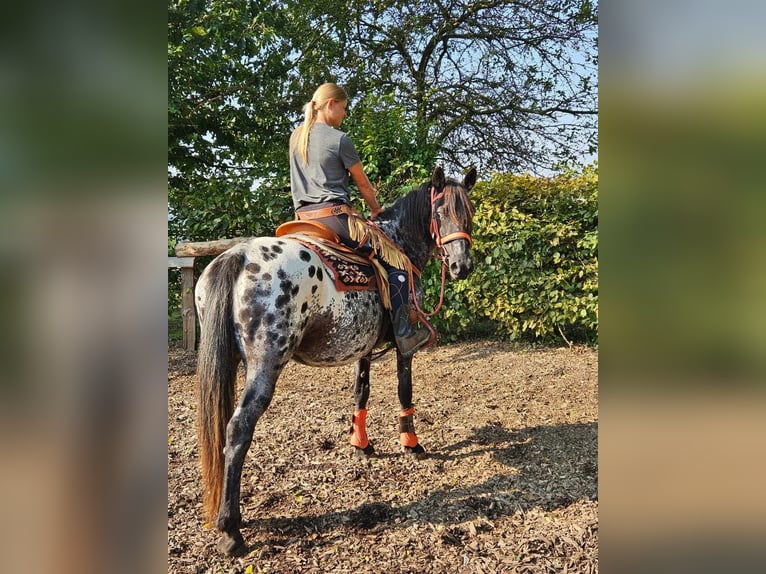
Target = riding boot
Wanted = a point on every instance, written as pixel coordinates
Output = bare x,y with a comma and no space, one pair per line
408,337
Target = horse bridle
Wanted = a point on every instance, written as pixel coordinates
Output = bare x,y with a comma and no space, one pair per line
440,243
435,220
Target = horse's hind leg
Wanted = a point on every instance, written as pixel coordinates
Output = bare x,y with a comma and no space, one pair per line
358,429
256,396
407,436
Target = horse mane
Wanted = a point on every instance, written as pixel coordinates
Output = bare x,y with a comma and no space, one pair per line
415,207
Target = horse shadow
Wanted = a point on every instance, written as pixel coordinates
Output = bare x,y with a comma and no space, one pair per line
547,467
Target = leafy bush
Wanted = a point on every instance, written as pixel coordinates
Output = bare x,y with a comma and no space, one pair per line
535,254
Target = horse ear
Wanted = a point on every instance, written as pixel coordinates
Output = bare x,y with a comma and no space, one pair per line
437,177
469,180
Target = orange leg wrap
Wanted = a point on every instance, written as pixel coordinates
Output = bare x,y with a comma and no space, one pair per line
358,430
407,434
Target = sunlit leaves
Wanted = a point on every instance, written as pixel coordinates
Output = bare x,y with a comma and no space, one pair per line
535,253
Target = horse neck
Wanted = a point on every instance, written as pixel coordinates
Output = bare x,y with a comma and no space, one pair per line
407,222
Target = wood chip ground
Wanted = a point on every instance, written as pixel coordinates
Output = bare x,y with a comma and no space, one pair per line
510,483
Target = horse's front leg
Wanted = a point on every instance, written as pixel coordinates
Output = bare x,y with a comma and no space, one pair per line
407,436
358,429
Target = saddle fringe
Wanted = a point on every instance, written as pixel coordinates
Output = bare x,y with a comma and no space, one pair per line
361,231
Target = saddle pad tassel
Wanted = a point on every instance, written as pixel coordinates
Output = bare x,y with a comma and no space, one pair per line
360,231
407,436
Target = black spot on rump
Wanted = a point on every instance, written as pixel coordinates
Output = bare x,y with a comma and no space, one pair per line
314,288
253,268
282,300
250,318
304,307
287,293
312,270
262,291
305,255
276,249
319,274
267,276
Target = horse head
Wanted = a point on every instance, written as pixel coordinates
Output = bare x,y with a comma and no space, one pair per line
452,220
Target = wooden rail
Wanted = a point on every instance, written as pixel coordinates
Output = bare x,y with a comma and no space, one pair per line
199,248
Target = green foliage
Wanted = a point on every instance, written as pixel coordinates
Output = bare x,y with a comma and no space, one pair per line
456,84
238,75
535,253
385,137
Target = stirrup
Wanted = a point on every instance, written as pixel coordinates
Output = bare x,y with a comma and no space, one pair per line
408,346
409,338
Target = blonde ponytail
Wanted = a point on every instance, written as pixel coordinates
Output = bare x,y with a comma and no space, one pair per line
299,141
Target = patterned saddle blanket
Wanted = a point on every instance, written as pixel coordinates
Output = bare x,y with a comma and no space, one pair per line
350,271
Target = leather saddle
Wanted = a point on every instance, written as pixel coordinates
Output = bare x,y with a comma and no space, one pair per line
351,269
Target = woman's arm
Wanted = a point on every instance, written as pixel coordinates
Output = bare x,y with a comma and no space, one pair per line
365,188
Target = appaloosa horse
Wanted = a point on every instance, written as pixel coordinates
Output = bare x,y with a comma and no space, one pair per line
269,300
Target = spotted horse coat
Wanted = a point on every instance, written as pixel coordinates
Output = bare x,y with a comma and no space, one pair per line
270,300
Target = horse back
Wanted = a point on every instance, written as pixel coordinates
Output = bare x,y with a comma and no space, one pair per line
285,304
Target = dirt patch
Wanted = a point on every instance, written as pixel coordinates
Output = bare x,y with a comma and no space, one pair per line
510,483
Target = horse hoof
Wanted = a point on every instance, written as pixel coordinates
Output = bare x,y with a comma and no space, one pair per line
365,452
417,451
232,544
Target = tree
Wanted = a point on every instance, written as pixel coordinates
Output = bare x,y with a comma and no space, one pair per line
505,85
237,72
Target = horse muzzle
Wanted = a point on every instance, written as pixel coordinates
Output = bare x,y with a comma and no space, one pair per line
460,269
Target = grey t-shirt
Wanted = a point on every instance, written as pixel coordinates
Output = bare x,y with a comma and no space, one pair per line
325,177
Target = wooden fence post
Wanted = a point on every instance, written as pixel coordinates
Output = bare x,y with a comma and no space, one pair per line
188,314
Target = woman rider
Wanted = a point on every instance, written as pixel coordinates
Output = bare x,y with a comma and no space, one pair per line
321,159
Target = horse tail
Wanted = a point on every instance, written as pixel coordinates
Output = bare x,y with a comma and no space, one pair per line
217,361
